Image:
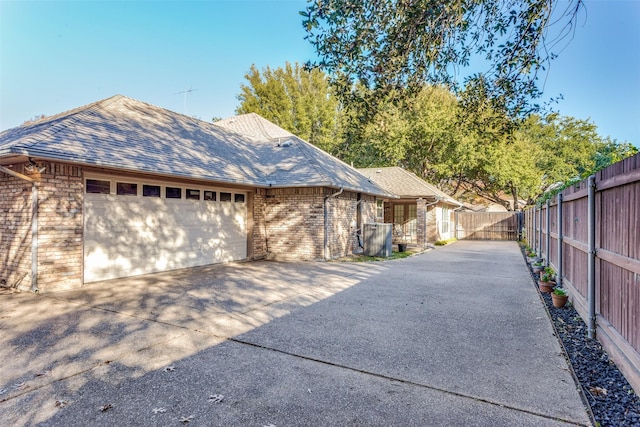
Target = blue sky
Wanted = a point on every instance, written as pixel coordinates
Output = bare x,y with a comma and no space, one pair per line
55,56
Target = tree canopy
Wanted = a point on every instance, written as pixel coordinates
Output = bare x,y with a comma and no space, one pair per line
392,44
462,142
298,100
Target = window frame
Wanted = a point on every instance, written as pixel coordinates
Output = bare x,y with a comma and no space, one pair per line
86,185
215,193
134,185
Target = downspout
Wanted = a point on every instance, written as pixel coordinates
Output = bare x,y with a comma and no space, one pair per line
34,225
327,255
591,219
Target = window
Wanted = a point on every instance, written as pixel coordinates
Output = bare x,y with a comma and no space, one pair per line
210,195
380,210
97,186
126,189
225,197
238,198
151,190
193,194
445,219
398,214
173,193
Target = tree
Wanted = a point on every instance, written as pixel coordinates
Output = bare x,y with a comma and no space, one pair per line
421,133
610,151
566,149
390,44
295,99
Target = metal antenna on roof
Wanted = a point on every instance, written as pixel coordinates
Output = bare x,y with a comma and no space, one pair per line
185,93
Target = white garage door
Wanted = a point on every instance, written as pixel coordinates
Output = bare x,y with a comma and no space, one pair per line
146,228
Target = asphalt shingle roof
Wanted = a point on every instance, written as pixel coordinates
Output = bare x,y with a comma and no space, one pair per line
126,134
405,184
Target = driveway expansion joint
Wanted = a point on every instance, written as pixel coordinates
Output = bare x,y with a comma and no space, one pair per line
407,382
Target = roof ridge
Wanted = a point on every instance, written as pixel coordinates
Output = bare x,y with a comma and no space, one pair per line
306,144
164,109
260,124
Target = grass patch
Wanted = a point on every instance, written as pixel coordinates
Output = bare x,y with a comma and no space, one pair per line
445,242
364,258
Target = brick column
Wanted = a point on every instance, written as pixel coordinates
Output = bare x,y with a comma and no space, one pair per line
421,223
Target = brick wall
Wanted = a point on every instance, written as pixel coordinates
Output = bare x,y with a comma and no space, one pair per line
60,227
433,234
60,193
421,225
15,232
289,223
343,222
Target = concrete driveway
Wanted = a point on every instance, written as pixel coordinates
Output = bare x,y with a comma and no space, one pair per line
454,336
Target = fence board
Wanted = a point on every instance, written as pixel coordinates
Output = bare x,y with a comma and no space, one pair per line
617,205
487,225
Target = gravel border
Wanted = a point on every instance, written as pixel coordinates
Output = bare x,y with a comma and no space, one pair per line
611,400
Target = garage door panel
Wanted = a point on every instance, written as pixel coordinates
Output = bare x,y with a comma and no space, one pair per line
127,236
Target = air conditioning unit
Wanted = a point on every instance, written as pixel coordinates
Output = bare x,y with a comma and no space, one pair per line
377,239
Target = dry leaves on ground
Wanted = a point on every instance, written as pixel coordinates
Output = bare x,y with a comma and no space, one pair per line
598,391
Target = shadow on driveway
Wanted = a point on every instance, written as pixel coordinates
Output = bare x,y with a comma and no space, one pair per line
456,336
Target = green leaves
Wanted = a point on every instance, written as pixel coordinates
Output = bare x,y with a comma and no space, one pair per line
298,100
405,44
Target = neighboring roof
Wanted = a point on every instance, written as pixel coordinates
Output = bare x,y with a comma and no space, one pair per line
405,184
130,135
254,126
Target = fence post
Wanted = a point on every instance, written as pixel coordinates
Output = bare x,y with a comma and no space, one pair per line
534,245
548,237
540,231
591,217
560,238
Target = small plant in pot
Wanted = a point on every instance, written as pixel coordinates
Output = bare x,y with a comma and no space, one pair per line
550,273
537,266
559,297
546,282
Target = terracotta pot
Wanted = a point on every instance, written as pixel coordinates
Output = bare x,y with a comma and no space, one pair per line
546,286
559,300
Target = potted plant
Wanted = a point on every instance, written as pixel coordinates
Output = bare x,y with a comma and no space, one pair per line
559,297
546,282
537,266
550,273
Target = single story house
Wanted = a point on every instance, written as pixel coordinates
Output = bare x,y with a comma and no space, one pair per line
120,188
421,214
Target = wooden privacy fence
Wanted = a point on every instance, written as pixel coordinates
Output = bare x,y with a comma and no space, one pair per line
590,234
487,225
